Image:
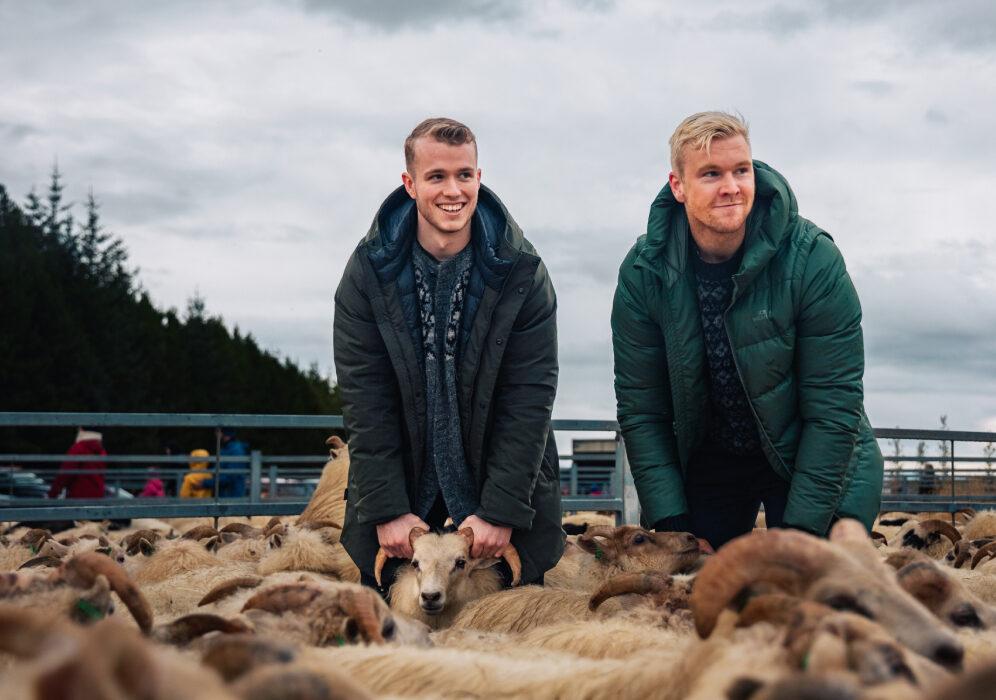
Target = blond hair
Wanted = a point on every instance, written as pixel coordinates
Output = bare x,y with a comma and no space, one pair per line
441,129
699,130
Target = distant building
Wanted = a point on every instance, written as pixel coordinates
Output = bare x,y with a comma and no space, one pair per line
591,468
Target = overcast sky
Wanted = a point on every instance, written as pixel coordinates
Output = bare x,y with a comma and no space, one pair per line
241,149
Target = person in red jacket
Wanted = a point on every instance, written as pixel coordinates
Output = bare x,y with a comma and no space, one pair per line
82,479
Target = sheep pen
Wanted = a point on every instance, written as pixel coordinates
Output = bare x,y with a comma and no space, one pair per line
271,607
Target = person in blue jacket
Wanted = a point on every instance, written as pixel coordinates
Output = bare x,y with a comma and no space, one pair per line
232,485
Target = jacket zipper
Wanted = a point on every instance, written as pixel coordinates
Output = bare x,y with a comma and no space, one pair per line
743,384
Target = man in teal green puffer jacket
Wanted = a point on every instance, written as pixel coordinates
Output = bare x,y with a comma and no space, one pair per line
738,352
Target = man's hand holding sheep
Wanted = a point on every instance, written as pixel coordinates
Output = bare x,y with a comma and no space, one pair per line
489,540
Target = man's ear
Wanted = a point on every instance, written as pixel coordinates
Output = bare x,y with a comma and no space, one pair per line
676,187
409,184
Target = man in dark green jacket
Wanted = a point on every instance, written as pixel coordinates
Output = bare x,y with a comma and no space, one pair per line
445,342
738,352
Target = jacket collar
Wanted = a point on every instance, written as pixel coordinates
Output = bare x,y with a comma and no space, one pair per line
666,249
496,238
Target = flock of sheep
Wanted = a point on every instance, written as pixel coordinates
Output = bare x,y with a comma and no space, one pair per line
273,609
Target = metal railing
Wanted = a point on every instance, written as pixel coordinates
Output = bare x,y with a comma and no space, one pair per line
269,477
281,484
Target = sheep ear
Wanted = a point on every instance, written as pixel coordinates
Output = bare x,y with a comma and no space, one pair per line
276,541
212,544
106,551
467,534
146,547
415,533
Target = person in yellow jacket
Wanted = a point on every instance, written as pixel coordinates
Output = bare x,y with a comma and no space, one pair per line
193,483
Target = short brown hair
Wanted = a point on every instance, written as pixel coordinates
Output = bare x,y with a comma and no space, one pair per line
700,129
441,129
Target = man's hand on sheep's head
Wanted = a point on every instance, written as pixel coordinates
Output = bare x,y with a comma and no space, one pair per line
393,535
489,540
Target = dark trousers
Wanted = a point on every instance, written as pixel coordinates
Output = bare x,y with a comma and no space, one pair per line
724,493
437,516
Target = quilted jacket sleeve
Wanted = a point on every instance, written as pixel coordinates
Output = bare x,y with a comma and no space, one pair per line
371,404
643,397
829,367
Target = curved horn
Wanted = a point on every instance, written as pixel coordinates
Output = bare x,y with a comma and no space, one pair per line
233,655
876,535
963,553
223,590
511,555
319,524
787,559
188,627
776,608
86,566
289,596
243,529
35,536
985,551
943,527
586,540
641,583
379,565
361,607
200,532
46,560
925,582
970,512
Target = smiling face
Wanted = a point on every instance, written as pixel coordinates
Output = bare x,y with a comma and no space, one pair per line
717,188
444,181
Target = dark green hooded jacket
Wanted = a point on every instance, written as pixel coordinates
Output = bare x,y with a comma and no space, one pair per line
506,385
794,326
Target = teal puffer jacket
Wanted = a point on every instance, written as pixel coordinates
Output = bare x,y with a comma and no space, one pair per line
795,329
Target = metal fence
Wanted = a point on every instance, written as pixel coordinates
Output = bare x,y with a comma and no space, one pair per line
952,479
277,484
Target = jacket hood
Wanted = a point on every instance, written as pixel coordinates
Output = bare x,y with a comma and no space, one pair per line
775,207
496,238
202,454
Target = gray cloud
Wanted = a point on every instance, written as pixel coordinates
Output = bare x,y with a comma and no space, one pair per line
398,14
878,88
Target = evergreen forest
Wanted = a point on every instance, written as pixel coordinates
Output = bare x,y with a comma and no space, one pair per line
79,333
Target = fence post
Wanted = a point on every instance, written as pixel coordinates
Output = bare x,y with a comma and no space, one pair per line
255,470
272,491
951,505
631,503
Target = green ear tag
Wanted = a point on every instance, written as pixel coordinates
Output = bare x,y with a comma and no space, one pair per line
34,549
805,662
340,641
88,610
598,552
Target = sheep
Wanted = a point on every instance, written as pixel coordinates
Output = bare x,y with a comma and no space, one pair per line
443,577
106,660
328,502
323,613
171,559
605,552
981,526
845,574
58,592
302,549
964,552
578,523
926,535
945,596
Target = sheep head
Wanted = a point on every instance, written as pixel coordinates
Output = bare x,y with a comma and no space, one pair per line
838,576
944,596
348,614
441,561
635,549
